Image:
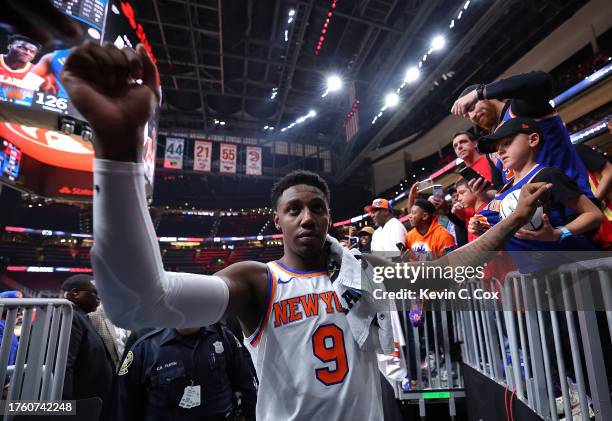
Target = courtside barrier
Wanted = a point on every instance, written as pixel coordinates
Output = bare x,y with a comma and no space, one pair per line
40,361
547,341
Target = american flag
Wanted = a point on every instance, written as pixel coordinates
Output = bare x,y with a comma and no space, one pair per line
351,124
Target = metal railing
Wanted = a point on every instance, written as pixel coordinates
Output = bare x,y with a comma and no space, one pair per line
542,337
40,361
548,338
429,359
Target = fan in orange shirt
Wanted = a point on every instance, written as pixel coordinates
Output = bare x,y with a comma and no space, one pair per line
428,240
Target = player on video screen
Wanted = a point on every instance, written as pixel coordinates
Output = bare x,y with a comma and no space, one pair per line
48,70
17,62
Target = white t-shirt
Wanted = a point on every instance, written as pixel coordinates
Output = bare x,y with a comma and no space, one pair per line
386,237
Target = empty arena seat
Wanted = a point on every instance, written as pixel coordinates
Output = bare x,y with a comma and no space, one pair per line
19,253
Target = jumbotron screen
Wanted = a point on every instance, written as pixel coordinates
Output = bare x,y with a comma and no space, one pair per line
29,73
60,164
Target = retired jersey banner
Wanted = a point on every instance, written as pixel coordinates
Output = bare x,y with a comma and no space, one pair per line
174,153
202,155
253,160
227,161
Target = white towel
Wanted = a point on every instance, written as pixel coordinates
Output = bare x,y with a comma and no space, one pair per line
354,287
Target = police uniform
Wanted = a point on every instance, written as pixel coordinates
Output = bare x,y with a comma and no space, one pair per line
169,376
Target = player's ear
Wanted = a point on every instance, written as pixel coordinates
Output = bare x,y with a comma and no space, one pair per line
275,218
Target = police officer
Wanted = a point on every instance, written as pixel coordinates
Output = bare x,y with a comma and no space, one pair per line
186,374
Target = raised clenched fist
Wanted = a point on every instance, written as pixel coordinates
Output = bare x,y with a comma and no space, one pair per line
117,91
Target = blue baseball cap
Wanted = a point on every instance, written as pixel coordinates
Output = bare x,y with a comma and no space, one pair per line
11,294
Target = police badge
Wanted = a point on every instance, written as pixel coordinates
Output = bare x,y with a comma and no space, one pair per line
218,347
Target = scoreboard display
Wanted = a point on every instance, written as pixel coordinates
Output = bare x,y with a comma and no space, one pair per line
55,164
91,12
29,72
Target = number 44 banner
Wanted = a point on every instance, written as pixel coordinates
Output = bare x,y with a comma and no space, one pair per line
174,153
253,160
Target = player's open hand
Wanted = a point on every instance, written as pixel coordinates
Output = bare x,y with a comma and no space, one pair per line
532,195
103,83
463,105
546,233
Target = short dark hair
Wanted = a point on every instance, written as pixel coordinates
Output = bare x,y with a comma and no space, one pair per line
299,177
426,205
76,282
469,134
17,37
461,182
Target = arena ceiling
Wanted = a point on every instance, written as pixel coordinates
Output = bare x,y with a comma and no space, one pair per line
221,60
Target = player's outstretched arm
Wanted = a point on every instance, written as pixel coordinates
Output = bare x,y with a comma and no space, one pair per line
485,247
135,288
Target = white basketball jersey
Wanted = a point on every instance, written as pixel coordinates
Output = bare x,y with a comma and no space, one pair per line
308,364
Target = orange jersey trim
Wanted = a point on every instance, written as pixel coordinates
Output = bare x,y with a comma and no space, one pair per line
264,321
292,272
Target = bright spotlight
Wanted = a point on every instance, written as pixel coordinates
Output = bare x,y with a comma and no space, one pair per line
438,42
391,100
312,113
412,74
291,12
334,83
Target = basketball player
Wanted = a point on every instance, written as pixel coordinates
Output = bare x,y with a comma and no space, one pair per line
525,95
308,364
17,62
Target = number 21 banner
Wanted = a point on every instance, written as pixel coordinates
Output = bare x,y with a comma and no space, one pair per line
202,156
253,160
227,162
174,153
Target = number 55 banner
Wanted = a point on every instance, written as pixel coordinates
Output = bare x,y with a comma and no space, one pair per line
174,153
227,163
253,160
202,154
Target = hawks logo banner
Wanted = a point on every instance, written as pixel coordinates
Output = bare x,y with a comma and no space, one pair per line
50,147
202,156
227,161
174,153
253,160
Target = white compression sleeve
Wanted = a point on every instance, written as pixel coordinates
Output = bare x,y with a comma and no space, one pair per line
132,283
